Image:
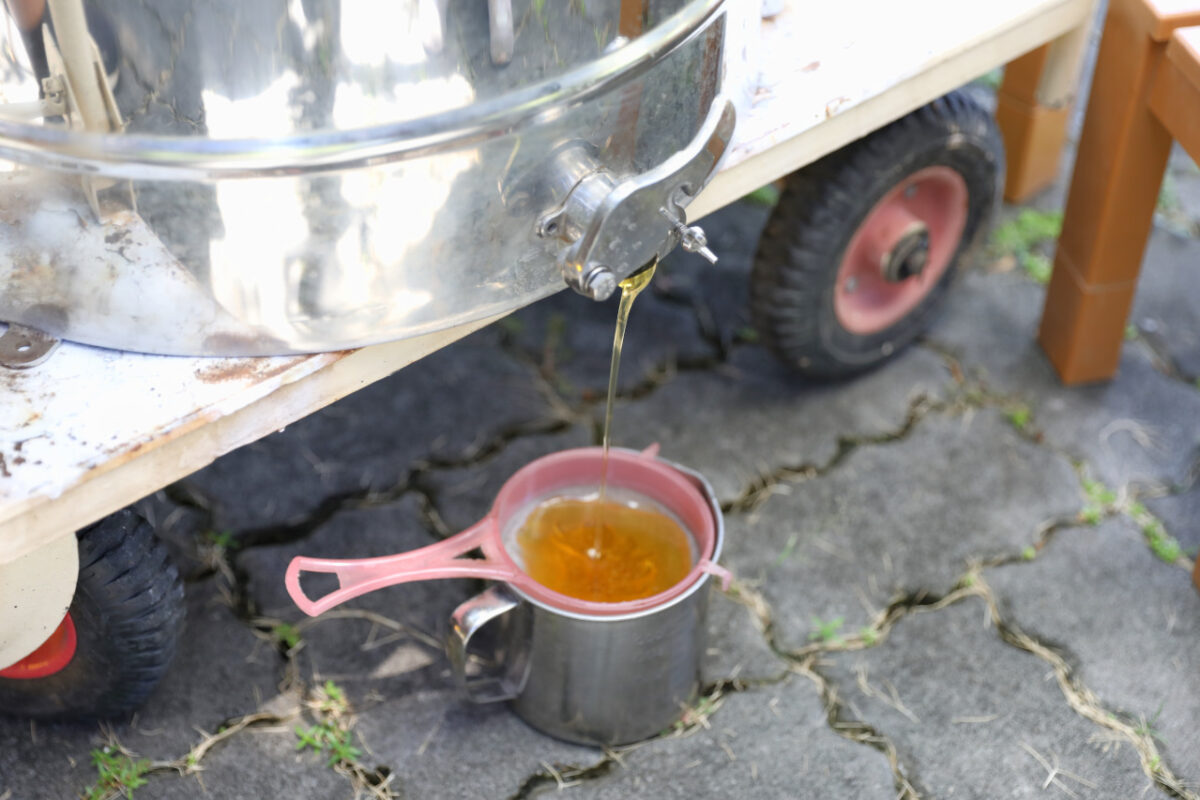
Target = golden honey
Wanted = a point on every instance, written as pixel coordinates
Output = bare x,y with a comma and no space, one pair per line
603,551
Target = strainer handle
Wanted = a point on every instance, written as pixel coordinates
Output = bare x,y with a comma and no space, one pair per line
357,576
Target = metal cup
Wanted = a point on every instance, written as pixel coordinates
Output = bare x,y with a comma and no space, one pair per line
585,678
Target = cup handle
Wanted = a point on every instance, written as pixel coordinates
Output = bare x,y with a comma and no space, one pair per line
357,576
466,621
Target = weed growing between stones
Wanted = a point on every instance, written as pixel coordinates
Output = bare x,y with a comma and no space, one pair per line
331,734
1024,239
118,772
1104,502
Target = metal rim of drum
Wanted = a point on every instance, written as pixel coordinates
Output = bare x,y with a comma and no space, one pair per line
138,156
52,655
865,300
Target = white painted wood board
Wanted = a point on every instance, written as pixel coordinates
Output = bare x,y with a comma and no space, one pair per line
93,430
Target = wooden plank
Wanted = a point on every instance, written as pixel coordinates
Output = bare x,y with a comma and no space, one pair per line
828,78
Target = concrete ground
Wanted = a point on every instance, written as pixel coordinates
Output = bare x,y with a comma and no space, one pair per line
954,577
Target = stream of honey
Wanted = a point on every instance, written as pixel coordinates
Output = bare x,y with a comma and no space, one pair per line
600,549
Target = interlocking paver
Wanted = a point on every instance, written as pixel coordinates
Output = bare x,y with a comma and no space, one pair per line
961,707
220,671
1166,309
772,742
444,746
753,415
1140,428
1129,623
719,294
464,495
737,645
900,518
366,653
443,406
571,339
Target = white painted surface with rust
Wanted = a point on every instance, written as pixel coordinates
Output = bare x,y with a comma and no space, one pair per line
827,73
87,407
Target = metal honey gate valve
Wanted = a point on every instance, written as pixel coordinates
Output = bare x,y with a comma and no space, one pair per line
611,225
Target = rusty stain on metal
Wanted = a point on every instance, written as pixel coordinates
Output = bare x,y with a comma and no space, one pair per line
4,467
245,369
811,66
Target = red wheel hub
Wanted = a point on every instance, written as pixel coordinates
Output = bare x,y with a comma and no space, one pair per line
54,654
901,250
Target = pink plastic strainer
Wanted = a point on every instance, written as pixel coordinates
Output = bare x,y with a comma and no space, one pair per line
681,493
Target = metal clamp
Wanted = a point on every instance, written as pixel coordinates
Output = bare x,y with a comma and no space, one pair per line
22,347
614,226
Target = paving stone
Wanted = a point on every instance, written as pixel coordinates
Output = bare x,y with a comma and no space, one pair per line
257,764
440,745
46,759
1166,309
463,496
754,415
691,313
719,293
737,646
571,337
219,671
972,702
904,517
772,742
1142,427
359,654
442,407
1129,622
1179,200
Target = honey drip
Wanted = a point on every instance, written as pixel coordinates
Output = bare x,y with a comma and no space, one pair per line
631,287
641,552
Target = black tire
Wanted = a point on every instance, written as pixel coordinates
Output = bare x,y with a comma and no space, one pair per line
128,611
795,270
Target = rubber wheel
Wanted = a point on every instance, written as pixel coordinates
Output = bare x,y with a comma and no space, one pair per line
128,611
802,284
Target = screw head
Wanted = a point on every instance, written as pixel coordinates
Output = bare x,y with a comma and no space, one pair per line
851,285
600,283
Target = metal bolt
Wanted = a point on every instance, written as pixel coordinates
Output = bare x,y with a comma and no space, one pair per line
694,241
600,283
690,236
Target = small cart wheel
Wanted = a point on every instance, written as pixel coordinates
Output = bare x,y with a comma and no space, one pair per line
864,243
119,633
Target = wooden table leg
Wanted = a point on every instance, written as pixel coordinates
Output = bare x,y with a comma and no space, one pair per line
1122,157
1033,110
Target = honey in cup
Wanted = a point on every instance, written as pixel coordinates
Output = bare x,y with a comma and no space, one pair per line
603,551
